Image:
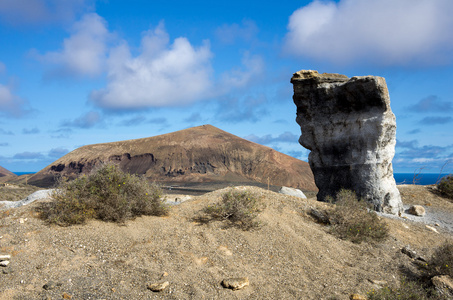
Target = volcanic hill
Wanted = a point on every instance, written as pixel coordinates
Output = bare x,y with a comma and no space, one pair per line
5,172
199,154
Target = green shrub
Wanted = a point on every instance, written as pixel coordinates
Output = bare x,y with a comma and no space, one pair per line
352,220
107,194
408,290
239,208
441,262
445,186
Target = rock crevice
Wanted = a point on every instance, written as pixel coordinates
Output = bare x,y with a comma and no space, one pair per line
348,125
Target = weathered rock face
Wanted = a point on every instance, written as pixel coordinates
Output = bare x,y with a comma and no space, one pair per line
350,129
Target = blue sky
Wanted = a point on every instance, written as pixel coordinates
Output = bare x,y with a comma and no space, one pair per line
78,72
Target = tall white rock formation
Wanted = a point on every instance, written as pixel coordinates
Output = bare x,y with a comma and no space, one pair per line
350,129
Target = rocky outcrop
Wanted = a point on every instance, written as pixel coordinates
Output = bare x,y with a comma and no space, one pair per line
200,154
350,129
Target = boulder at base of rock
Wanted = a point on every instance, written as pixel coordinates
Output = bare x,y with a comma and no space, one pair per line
292,192
348,126
417,210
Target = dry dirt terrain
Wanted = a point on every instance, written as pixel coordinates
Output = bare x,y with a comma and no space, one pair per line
289,257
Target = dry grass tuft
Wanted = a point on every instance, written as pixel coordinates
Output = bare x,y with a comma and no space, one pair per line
352,220
239,208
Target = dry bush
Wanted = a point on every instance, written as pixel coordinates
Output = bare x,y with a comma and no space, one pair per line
441,262
107,194
239,208
445,186
352,220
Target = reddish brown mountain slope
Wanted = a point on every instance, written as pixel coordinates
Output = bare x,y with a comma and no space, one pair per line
198,154
5,172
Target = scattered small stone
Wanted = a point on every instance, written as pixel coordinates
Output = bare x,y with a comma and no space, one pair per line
51,285
66,296
380,283
22,220
357,297
421,258
443,285
165,274
432,228
437,224
5,257
320,216
235,283
7,271
417,210
158,287
409,252
4,263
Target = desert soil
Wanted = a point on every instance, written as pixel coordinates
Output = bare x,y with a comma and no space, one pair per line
289,257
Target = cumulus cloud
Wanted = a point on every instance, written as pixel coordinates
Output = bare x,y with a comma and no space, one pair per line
31,12
163,74
384,32
431,104
286,137
84,52
88,120
230,33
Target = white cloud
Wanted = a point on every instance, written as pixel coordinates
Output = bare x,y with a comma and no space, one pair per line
385,32
88,120
11,105
84,52
229,33
253,65
40,11
163,74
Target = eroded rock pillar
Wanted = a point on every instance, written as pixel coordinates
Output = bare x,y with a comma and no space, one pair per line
350,129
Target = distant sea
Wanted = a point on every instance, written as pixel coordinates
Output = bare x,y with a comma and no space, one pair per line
422,179
23,173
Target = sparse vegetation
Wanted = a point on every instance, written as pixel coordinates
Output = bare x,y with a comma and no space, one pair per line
107,194
352,220
239,208
445,186
16,192
408,290
441,263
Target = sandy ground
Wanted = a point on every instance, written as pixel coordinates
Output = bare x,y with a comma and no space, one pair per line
289,257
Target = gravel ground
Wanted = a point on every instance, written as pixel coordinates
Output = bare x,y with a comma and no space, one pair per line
289,257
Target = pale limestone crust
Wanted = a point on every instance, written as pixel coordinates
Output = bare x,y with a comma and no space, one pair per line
350,129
